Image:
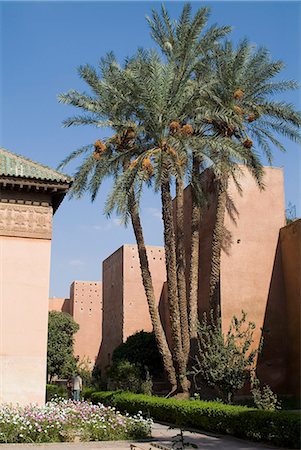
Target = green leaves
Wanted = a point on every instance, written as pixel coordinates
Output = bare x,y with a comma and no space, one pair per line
60,358
225,361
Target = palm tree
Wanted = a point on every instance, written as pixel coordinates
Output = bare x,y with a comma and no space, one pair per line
138,103
234,88
158,102
241,111
189,47
107,108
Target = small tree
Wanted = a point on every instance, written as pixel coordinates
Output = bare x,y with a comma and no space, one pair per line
224,362
125,376
60,357
263,396
141,349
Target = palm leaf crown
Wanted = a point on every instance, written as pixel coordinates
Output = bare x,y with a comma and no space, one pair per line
222,96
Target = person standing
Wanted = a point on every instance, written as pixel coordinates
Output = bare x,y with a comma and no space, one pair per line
77,385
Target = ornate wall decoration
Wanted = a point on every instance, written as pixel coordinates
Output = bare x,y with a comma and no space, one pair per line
25,221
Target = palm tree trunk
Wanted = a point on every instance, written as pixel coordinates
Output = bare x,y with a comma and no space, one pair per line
172,287
217,238
181,268
149,292
194,252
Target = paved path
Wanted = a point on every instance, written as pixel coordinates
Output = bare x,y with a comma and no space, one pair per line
161,435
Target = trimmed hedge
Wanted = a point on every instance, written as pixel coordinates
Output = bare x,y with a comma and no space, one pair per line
278,428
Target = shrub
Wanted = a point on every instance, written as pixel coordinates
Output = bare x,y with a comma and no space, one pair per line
278,428
84,371
55,390
141,349
224,362
87,392
126,376
264,398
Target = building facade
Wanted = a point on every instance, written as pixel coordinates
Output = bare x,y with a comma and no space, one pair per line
29,196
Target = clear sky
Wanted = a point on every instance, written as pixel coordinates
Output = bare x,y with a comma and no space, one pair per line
42,44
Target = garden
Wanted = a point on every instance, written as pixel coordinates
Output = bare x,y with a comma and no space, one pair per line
192,113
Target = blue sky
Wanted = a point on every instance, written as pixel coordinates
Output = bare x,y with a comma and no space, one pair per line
42,44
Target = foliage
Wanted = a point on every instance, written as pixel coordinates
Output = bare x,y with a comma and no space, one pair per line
274,427
126,376
87,392
63,420
141,349
147,384
96,376
264,398
85,372
60,358
290,213
224,362
56,390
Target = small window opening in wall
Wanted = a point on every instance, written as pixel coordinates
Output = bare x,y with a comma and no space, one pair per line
90,309
82,309
132,267
238,241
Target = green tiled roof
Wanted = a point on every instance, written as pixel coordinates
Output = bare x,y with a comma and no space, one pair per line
13,165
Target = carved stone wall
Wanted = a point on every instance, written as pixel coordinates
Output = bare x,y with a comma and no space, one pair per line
30,221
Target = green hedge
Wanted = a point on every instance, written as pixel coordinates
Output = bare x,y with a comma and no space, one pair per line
278,428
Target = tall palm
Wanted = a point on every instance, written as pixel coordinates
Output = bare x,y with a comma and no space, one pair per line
189,46
141,99
158,103
109,107
241,110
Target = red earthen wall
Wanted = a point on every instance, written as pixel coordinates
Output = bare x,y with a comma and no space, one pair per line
86,300
247,266
125,309
254,271
112,319
60,304
136,313
290,242
85,306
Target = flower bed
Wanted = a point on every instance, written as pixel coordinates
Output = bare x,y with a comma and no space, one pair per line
65,420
